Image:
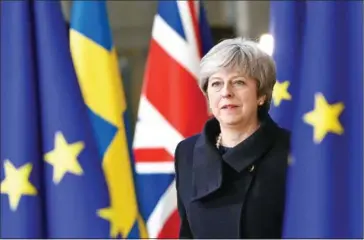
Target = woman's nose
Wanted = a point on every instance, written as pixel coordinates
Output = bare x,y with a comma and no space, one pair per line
226,91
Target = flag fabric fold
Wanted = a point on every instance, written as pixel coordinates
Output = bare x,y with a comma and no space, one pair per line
171,108
96,63
325,177
286,23
52,182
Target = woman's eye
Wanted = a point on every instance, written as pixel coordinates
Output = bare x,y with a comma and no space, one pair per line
239,82
215,84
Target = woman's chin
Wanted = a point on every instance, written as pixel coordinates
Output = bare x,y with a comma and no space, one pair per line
231,120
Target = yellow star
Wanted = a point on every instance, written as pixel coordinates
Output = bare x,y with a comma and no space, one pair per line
119,227
290,160
63,157
324,118
280,92
116,221
118,224
16,183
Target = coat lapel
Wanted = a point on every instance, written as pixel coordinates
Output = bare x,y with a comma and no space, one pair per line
207,162
246,153
207,168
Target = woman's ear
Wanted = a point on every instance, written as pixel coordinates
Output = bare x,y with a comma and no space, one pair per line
261,100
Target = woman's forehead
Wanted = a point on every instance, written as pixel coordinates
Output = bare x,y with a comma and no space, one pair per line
229,73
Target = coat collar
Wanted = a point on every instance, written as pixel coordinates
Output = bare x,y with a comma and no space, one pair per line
207,162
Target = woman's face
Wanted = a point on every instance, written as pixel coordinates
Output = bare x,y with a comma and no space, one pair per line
233,97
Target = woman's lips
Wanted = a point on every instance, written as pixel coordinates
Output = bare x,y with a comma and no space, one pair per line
229,106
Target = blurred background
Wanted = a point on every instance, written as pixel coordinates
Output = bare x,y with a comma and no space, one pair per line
131,23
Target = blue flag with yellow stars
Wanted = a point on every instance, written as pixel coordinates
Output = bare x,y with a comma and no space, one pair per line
286,27
325,180
52,182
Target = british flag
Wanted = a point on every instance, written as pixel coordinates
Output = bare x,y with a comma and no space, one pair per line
171,108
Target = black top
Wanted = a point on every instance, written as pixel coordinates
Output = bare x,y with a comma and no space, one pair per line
223,149
234,193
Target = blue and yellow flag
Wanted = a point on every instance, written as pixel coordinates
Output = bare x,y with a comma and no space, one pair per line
325,182
286,26
52,182
96,64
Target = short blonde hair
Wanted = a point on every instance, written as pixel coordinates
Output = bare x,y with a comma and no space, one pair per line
244,55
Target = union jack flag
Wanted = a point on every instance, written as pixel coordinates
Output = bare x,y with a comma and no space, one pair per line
171,108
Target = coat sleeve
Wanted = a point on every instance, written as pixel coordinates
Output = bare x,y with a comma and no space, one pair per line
185,231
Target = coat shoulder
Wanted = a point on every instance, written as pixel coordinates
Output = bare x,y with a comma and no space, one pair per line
283,136
185,147
183,155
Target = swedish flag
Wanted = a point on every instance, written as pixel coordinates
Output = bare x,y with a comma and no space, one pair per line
96,64
325,183
52,182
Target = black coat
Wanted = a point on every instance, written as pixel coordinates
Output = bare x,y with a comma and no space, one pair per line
239,194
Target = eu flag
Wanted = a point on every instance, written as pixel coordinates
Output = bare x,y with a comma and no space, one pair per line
286,27
52,182
325,182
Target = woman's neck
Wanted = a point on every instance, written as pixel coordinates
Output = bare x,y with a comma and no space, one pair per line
233,135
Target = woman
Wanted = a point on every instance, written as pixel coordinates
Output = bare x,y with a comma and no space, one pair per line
231,177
